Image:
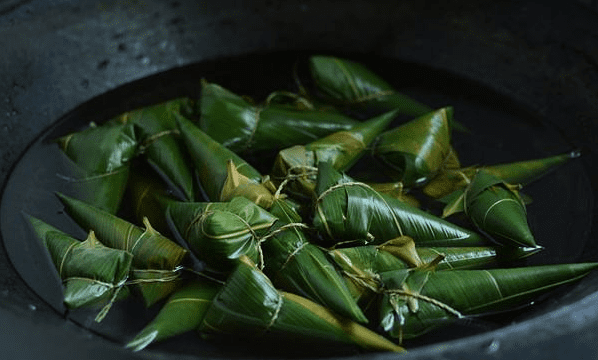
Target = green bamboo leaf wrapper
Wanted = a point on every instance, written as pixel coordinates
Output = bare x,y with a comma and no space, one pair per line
520,172
220,232
266,312
528,171
416,150
449,295
241,126
160,141
396,190
353,83
150,249
496,208
148,197
182,312
377,260
101,156
93,275
348,210
218,166
341,148
361,265
295,265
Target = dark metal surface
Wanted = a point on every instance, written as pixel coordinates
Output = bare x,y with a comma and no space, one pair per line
59,54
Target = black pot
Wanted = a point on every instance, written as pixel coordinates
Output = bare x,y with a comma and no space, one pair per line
533,65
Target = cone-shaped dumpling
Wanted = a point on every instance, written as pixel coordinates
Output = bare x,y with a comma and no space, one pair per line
352,211
150,249
220,232
101,156
240,126
341,148
377,258
182,312
416,150
361,265
448,295
497,209
520,172
159,140
92,274
353,83
249,305
302,268
220,170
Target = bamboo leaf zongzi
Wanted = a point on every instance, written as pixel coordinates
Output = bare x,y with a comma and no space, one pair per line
93,275
352,211
449,295
240,125
151,250
353,83
270,313
101,155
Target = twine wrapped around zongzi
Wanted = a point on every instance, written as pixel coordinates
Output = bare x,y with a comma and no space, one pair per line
268,313
495,207
92,274
151,250
341,148
444,296
220,232
361,265
295,265
352,211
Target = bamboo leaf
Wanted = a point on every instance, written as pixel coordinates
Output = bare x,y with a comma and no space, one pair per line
101,156
211,159
496,208
297,266
520,172
160,141
183,312
472,292
240,125
342,149
237,184
93,275
150,249
455,203
350,82
416,150
527,171
148,197
395,190
349,210
268,312
220,232
403,247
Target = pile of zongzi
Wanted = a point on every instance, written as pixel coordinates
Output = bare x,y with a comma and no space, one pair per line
306,252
